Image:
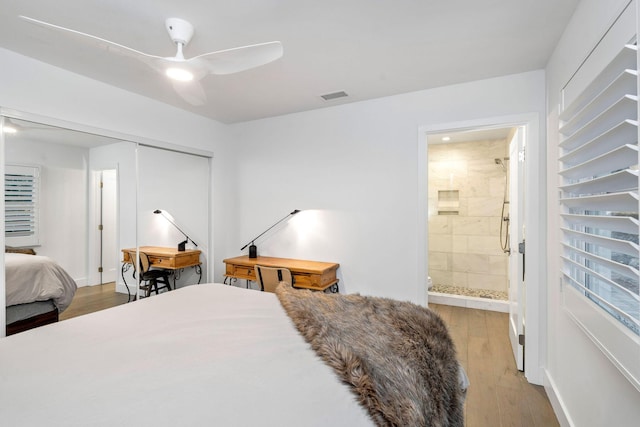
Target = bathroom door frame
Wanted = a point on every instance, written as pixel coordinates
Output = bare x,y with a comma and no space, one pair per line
535,207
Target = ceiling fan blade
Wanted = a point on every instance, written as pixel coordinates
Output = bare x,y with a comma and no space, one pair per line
240,58
191,91
107,45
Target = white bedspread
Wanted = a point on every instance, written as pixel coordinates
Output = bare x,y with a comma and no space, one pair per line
32,278
203,355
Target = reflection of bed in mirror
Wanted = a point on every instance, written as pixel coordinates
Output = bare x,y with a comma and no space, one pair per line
37,290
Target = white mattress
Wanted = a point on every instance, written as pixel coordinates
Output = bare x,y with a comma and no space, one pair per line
201,355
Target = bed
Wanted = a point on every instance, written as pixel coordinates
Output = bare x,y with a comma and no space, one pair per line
37,290
208,354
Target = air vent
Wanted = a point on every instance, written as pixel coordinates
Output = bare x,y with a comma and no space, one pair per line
334,95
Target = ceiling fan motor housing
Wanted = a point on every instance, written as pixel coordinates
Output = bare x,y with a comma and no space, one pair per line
179,30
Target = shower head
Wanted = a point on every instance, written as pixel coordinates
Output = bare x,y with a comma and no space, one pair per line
499,162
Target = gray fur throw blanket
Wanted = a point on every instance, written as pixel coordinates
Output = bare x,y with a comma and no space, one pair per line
397,357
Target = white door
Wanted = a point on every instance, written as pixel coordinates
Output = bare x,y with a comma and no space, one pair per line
109,208
516,242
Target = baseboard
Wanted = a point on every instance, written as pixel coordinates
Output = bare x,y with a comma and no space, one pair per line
556,401
469,302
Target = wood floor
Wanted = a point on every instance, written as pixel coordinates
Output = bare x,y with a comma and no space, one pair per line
499,395
93,298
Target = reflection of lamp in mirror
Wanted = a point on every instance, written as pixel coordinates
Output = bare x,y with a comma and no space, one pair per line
181,245
253,250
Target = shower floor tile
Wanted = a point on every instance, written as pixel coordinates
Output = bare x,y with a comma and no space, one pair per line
479,293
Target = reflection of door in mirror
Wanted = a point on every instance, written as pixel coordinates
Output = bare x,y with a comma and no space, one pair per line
103,223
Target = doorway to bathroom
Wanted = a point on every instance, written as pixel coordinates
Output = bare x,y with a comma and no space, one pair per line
468,214
476,223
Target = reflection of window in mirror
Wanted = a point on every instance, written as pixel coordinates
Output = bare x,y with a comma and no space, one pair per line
21,205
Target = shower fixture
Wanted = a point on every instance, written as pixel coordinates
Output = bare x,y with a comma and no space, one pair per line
499,162
504,216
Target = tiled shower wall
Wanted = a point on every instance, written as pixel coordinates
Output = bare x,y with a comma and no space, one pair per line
464,235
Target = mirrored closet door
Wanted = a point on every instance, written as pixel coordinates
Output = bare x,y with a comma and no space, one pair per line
173,213
82,198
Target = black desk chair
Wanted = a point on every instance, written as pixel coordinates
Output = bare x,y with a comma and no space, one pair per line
148,277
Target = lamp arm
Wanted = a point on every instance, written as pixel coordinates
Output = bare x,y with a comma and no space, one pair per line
259,235
180,230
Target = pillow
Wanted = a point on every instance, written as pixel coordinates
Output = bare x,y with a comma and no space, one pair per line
12,250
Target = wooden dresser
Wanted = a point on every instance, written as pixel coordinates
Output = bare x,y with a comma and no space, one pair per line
314,275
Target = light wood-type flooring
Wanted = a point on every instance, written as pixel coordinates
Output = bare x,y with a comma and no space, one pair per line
93,298
499,395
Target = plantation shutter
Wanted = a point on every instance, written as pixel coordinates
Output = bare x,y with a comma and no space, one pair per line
599,190
21,198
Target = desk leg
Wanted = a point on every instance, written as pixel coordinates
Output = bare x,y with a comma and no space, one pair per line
125,267
199,272
177,273
231,280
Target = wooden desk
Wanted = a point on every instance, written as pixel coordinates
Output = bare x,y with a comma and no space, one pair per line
167,258
314,275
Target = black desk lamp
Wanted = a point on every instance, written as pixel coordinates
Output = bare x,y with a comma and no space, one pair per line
181,245
253,250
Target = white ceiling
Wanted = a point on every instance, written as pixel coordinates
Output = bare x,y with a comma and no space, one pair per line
368,48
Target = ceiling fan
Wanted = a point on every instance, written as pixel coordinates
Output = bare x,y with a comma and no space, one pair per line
185,74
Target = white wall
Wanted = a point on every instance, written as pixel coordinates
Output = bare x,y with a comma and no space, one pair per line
585,387
356,167
34,87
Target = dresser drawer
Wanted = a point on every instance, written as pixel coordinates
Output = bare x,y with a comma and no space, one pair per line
306,280
160,262
240,271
